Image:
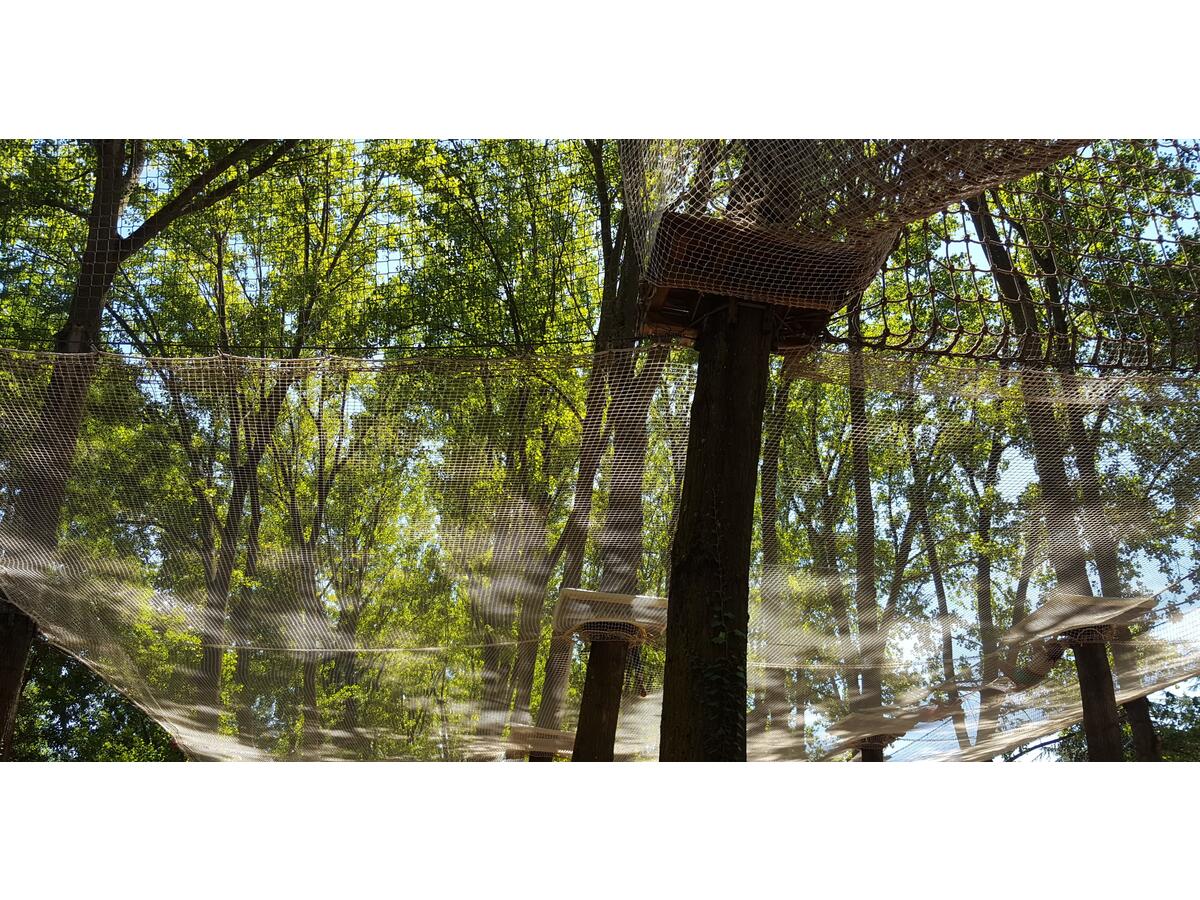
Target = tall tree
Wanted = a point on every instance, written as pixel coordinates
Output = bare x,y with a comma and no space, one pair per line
206,176
1065,549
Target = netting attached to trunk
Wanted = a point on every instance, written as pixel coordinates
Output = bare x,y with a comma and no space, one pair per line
416,514
1098,242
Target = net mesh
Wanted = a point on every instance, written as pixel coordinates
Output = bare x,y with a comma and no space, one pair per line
355,474
396,591
1098,241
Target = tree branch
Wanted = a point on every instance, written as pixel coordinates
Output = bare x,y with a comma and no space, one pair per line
193,199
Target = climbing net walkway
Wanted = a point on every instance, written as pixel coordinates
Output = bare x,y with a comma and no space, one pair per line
392,587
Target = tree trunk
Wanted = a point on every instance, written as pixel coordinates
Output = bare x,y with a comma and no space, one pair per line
866,601
532,602
44,477
620,549
1103,542
621,537
1100,719
948,669
776,708
557,672
704,688
596,734
988,644
16,637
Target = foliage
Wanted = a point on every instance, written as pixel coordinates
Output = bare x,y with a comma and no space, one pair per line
1176,716
68,713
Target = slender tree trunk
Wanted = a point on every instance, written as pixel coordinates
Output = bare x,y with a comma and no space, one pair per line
704,687
988,639
1103,542
939,587
244,713
595,738
556,674
532,604
866,601
312,732
213,632
1100,719
620,550
776,708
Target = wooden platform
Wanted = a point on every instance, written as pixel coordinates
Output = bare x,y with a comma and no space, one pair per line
526,739
1068,615
699,263
585,612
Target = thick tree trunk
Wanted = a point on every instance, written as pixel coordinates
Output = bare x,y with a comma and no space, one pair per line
17,631
44,478
44,475
704,688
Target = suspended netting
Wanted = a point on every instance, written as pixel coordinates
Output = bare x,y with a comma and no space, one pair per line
392,588
1096,243
360,478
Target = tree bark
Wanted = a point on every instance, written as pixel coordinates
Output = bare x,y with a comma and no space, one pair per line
17,631
704,687
43,480
595,737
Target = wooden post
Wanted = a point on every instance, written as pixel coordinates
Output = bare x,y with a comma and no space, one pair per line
704,684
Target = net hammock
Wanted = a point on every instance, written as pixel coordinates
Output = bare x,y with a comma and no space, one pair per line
407,555
409,614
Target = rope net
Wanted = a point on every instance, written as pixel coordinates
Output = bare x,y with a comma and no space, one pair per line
392,586
1096,243
285,533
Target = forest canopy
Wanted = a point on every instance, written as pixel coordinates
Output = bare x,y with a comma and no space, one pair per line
335,449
